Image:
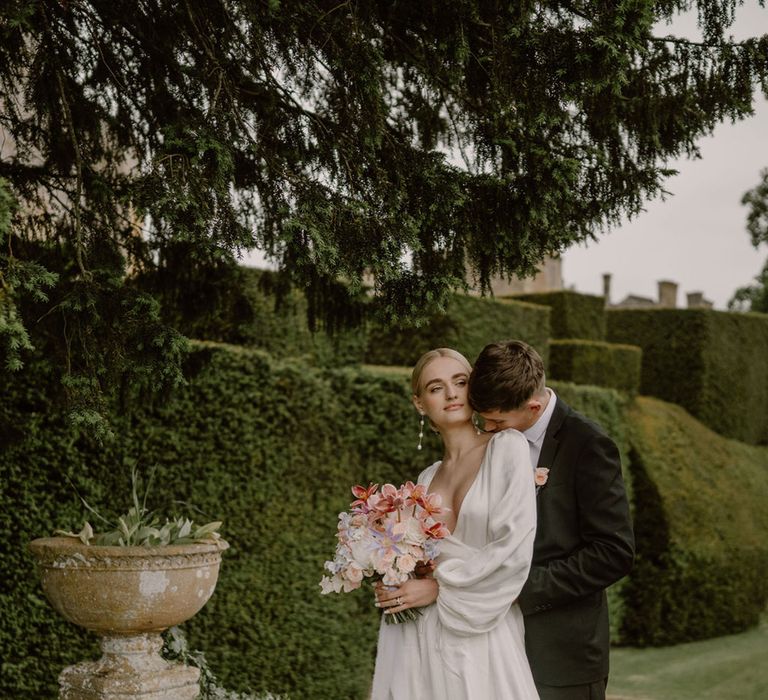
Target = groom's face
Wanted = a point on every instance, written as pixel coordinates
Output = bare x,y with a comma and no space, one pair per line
520,418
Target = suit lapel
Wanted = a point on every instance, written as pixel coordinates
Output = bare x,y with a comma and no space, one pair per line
551,443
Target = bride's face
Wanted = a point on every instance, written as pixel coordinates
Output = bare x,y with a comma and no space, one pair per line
443,392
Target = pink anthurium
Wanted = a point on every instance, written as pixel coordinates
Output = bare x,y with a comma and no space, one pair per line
432,505
413,494
437,530
363,495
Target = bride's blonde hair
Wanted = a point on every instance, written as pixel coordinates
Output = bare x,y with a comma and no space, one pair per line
427,357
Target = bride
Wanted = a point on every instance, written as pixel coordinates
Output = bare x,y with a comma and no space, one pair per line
468,643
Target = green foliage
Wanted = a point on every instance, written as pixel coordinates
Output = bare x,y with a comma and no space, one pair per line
597,363
270,448
105,337
468,325
16,277
176,648
606,407
757,218
321,134
245,306
710,362
755,297
14,338
573,315
701,529
140,527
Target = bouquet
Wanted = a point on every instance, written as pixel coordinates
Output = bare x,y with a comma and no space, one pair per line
383,537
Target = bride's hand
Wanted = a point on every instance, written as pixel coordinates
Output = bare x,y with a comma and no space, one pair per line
414,593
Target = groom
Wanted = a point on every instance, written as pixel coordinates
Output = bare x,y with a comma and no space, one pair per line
584,540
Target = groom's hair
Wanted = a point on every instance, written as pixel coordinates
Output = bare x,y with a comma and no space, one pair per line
505,376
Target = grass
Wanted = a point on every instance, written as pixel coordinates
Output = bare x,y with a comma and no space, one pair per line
725,668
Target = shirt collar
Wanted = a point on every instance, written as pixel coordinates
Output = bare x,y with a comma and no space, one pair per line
537,430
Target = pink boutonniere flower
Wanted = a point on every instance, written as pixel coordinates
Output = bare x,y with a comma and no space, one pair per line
540,477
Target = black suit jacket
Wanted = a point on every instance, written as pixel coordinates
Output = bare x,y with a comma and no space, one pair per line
584,542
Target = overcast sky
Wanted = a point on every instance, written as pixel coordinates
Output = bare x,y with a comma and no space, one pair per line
698,236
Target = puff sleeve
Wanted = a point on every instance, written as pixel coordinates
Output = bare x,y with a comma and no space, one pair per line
478,584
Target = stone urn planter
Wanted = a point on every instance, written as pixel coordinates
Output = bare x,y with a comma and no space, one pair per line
127,596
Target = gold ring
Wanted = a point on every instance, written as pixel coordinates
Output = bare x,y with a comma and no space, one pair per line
399,600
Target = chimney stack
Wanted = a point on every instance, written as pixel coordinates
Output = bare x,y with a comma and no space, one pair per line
696,300
607,288
667,294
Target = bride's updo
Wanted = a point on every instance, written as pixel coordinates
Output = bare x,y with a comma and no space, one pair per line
427,357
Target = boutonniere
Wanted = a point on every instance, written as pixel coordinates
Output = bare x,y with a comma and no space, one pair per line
540,477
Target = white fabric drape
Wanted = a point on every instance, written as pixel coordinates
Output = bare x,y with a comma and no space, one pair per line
470,643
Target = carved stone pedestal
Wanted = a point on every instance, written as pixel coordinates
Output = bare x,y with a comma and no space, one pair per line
131,667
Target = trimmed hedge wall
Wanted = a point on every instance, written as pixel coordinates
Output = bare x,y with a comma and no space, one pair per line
271,448
268,447
468,325
713,363
573,315
239,305
702,531
597,363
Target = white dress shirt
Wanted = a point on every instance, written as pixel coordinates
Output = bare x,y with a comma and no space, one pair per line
535,434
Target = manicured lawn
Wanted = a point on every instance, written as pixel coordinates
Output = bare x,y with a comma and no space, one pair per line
726,668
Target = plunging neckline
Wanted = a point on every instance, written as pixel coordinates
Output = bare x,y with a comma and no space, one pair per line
471,488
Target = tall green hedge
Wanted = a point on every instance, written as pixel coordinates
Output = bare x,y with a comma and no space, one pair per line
713,363
241,306
595,362
574,315
271,448
701,529
468,325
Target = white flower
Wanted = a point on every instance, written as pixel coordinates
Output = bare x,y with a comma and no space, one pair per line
393,577
350,585
353,573
406,563
362,553
414,533
330,585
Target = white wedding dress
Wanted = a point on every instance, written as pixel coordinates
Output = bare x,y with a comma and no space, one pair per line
469,644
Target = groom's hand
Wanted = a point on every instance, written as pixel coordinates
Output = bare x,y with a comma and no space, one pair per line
424,569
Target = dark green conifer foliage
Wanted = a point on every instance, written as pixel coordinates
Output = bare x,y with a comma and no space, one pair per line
316,131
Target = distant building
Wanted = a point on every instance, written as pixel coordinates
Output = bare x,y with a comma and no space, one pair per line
667,298
549,278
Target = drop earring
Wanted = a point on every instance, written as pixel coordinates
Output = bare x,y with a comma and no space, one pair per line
475,423
421,431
